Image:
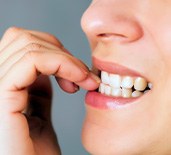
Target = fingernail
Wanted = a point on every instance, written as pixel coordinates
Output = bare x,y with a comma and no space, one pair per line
95,77
76,87
86,72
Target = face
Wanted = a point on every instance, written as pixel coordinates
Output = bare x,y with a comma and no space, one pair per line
131,48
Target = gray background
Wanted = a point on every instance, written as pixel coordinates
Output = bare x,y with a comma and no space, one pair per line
61,18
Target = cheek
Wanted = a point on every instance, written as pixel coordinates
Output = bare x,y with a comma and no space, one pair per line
161,32
162,39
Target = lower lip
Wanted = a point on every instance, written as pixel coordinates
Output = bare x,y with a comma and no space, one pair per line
100,101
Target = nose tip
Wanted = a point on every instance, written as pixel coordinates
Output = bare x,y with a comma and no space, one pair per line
108,25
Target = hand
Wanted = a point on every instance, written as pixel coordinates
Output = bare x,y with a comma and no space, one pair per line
27,58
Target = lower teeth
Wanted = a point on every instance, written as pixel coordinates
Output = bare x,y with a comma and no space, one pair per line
121,92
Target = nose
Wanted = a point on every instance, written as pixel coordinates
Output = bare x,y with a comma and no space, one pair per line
105,20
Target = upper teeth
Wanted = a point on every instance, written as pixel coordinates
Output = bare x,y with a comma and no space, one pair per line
116,85
127,82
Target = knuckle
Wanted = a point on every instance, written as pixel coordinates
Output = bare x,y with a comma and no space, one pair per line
27,37
29,56
33,47
51,36
63,57
12,30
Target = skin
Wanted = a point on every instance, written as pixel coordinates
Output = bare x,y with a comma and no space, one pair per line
27,59
135,34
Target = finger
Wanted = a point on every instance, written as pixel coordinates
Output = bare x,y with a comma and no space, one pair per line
13,90
46,63
46,37
22,74
49,38
25,40
13,32
67,85
9,35
11,60
90,83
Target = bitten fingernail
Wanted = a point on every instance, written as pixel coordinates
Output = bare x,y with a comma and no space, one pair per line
95,77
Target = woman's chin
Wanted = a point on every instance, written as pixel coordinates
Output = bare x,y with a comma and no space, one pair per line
102,137
99,140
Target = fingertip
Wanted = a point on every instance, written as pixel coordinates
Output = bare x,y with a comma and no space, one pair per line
67,85
94,77
92,82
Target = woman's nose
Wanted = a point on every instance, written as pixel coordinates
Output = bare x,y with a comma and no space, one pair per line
106,21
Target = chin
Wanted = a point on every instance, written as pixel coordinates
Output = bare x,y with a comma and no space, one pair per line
104,136
99,139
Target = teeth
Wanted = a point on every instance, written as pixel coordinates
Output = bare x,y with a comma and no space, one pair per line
127,82
105,77
140,84
136,94
126,93
116,92
118,86
107,90
115,80
102,88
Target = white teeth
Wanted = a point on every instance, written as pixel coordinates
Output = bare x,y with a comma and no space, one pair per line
115,80
105,77
136,94
102,88
127,82
126,93
140,84
116,92
107,90
118,86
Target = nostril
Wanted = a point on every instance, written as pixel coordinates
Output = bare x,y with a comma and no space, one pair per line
110,35
113,36
121,34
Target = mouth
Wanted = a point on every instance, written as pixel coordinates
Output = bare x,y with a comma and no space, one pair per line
126,86
119,86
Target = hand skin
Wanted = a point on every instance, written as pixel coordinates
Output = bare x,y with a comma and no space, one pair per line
27,58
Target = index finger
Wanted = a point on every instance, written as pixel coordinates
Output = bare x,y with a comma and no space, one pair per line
62,65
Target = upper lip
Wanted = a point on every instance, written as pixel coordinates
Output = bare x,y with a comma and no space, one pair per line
114,68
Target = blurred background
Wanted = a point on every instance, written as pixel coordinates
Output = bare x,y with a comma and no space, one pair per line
61,18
